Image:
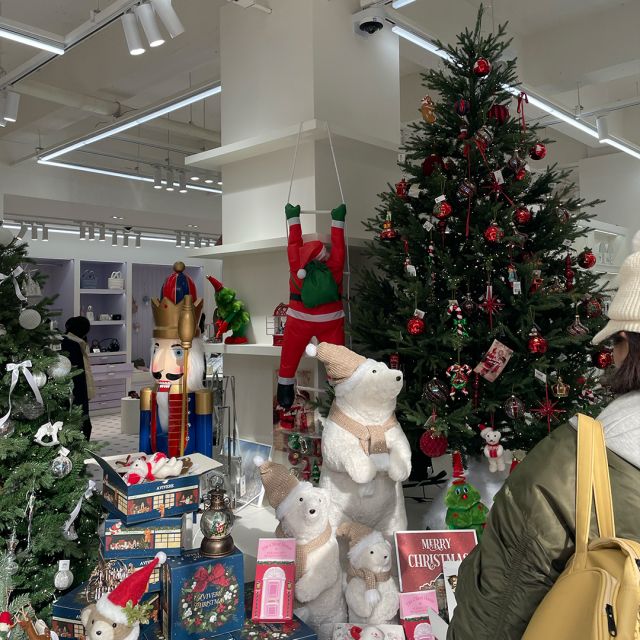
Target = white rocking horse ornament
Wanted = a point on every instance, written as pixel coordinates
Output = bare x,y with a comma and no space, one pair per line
48,430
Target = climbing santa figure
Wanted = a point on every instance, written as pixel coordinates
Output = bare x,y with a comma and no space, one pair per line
315,296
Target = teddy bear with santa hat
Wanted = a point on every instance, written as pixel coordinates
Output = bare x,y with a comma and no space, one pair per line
493,450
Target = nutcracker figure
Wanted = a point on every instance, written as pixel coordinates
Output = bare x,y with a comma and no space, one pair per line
176,415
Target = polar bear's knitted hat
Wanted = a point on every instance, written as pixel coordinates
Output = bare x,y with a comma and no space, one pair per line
341,363
281,487
360,538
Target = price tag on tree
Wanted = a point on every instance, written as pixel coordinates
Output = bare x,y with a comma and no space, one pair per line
539,375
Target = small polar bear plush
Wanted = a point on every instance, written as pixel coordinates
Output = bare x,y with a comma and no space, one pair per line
371,592
366,455
303,512
156,467
493,450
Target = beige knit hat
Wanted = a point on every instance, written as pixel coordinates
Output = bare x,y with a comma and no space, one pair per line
360,538
341,363
280,487
624,312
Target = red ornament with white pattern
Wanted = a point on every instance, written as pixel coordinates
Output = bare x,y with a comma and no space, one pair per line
493,233
587,259
442,210
482,67
603,359
537,345
522,215
538,151
415,325
402,189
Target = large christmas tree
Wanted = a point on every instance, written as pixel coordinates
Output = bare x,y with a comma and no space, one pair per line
39,485
477,236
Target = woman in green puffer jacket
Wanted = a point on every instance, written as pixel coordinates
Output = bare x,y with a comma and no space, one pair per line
531,528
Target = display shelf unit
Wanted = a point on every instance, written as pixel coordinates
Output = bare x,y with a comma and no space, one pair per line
243,349
102,292
107,323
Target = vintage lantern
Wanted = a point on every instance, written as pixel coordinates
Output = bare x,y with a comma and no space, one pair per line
216,523
276,324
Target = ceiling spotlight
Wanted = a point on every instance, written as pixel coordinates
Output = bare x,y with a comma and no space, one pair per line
146,17
183,182
125,239
178,239
11,104
92,232
131,34
169,186
195,178
102,232
208,180
138,239
168,16
220,183
157,178
114,238
45,233
83,231
34,231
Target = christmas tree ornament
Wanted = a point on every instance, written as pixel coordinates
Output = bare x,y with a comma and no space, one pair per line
315,473
603,359
537,151
517,165
593,307
402,189
61,368
435,391
433,444
563,214
7,428
68,528
6,236
442,209
483,137
294,458
513,407
29,408
547,409
464,508
462,106
494,361
536,344
431,163
16,285
29,319
458,374
11,566
490,304
409,268
415,324
466,189
522,215
587,259
293,442
468,306
63,578
499,113
61,465
415,191
459,321
560,389
576,328
493,233
555,286
47,434
3,330
428,110
463,134
40,378
394,361
216,524
481,67
536,281
569,274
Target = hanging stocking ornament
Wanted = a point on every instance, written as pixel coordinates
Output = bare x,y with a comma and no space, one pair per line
459,376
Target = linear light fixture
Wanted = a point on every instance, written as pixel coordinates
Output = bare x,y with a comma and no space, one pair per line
604,137
421,42
398,4
17,34
136,119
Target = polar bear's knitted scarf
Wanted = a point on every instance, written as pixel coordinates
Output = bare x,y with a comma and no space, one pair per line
303,550
371,436
371,579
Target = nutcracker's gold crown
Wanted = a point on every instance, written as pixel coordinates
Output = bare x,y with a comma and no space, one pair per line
166,316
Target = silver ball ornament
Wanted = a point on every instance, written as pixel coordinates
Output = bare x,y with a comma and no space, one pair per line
61,465
30,408
61,368
7,429
29,319
63,580
40,378
6,237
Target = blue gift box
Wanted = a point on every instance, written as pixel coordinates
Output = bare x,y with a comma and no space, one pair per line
202,597
65,619
155,499
144,540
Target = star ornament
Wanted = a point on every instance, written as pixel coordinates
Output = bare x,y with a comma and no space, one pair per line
547,409
490,304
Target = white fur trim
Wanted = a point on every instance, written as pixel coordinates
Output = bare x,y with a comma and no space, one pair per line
111,611
302,274
292,221
162,557
294,494
134,633
362,545
355,377
372,596
323,254
636,241
311,350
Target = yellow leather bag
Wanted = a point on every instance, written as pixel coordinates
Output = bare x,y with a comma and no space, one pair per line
597,597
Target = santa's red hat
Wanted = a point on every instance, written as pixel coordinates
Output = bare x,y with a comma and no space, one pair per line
112,605
217,285
312,250
458,468
5,621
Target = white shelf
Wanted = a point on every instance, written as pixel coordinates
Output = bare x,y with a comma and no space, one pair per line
104,323
103,292
267,245
275,141
108,353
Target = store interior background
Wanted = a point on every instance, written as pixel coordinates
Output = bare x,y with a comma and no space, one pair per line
301,62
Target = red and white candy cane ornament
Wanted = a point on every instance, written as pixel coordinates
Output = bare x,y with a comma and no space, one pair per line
459,375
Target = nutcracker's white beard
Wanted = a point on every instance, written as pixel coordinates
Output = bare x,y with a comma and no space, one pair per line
195,374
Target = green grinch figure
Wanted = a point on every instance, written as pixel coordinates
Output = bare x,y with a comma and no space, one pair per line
231,314
464,508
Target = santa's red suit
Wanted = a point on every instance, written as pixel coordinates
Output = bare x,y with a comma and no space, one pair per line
325,321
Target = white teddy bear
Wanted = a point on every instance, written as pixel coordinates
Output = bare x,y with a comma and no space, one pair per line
366,455
156,467
493,450
303,512
372,592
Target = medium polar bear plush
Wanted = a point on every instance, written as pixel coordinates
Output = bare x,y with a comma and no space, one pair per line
372,592
303,512
365,453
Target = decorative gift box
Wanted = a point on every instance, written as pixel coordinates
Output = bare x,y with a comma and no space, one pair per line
202,597
65,620
275,578
350,631
143,540
155,499
414,614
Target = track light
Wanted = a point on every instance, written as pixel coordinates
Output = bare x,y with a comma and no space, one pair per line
146,17
125,239
178,239
197,241
45,233
11,104
131,34
114,238
169,186
92,232
183,182
34,231
83,231
138,240
157,178
102,232
187,240
168,16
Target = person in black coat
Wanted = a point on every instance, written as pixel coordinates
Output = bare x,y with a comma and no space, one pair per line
74,345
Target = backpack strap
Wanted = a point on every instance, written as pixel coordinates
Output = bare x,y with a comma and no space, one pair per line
602,484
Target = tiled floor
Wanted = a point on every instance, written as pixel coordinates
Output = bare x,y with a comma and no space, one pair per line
106,431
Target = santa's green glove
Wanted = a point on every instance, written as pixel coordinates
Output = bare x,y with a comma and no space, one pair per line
339,213
292,212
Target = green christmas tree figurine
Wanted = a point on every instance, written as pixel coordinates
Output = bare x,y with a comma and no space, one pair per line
231,313
464,508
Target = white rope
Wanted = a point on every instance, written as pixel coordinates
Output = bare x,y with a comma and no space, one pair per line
293,166
335,164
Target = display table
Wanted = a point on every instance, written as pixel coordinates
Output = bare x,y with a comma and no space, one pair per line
130,415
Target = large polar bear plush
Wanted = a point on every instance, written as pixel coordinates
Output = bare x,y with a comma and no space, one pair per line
303,512
365,453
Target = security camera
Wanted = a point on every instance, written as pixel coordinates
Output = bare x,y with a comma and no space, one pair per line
368,21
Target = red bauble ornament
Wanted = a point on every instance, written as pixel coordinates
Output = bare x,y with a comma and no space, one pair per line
462,106
587,259
593,308
415,326
538,151
483,137
499,113
433,444
563,215
402,189
431,163
537,345
442,210
493,233
482,67
522,215
603,359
